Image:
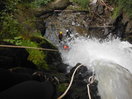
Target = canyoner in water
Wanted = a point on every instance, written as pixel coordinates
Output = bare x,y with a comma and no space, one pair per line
64,39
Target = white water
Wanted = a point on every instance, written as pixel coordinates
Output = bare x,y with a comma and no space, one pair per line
107,58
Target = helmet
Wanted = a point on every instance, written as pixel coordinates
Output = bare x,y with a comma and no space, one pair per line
66,47
60,32
67,30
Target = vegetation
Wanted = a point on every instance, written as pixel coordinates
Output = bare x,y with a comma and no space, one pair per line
8,24
62,87
40,3
36,56
12,25
122,5
17,25
82,3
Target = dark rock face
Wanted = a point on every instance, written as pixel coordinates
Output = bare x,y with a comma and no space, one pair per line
13,57
119,27
78,89
54,60
128,28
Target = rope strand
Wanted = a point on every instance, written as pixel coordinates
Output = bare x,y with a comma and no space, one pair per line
13,46
70,83
88,91
90,80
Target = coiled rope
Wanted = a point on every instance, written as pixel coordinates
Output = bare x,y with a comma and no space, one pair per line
13,46
90,80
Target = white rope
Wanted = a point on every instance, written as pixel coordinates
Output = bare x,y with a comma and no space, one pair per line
90,80
70,83
88,91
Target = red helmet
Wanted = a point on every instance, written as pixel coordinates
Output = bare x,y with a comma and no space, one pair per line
66,47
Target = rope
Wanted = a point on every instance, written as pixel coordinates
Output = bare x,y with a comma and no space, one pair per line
88,91
90,80
70,83
13,46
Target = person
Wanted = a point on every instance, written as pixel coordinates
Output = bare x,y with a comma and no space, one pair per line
68,32
60,36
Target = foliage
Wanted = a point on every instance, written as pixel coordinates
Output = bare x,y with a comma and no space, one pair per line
9,26
122,5
8,5
62,87
12,24
40,3
82,3
36,56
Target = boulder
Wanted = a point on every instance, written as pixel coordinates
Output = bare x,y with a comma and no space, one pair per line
78,89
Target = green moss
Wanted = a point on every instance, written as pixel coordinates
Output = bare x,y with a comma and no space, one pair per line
9,26
62,87
39,3
122,6
82,3
36,56
116,12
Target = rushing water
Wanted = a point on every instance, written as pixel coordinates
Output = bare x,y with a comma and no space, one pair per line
110,59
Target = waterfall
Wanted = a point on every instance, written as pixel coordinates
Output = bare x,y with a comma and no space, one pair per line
110,59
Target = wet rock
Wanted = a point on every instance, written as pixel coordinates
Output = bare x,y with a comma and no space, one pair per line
128,31
53,58
78,89
41,25
100,9
122,27
119,27
129,27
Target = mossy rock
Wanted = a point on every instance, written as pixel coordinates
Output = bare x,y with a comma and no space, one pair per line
52,58
62,87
